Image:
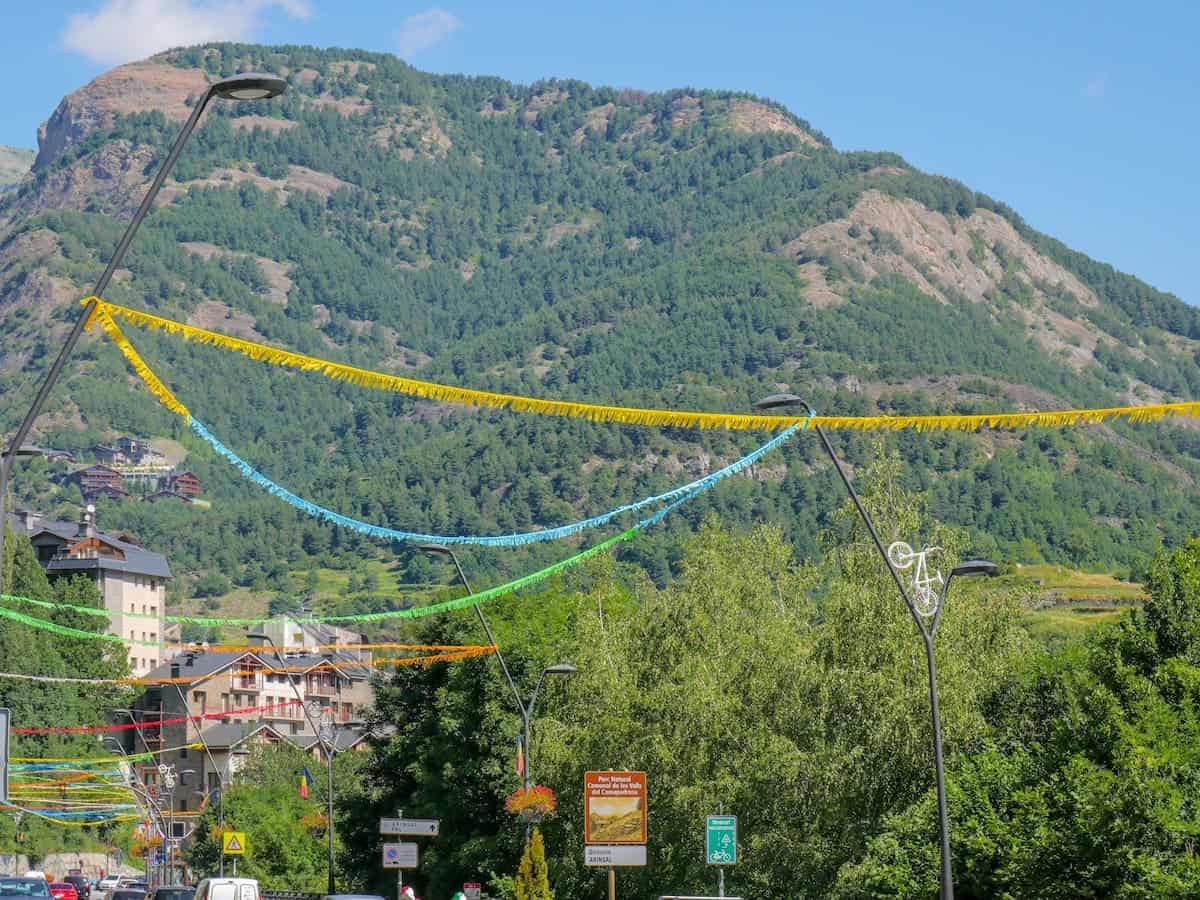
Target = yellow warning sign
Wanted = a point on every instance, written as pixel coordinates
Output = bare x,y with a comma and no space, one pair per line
233,843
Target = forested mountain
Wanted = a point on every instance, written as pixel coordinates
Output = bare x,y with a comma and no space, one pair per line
689,249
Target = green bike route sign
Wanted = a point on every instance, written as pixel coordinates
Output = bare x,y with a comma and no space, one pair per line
720,847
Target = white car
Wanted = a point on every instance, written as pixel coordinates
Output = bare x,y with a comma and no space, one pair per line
228,889
108,883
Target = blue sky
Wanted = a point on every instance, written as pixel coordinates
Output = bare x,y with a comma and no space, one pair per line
1084,117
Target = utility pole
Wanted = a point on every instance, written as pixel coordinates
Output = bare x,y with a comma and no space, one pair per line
399,872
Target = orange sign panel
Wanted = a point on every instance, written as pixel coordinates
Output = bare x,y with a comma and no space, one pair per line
614,807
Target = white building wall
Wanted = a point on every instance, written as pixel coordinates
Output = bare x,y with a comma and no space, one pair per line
136,604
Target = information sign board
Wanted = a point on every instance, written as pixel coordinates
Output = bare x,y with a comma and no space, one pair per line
473,890
606,856
418,827
614,808
720,845
400,856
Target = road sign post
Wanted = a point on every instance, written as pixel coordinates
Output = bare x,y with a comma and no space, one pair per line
614,815
233,843
403,856
720,846
472,890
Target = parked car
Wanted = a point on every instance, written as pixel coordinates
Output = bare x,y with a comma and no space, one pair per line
108,882
128,893
24,887
63,890
228,889
83,887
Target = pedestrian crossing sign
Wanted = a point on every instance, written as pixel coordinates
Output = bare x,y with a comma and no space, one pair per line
233,843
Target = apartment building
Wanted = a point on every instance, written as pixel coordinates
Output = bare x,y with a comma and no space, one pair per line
132,580
234,700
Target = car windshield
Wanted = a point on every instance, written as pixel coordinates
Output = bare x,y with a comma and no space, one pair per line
128,894
24,887
174,893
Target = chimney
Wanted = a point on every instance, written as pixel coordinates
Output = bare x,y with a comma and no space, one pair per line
189,659
87,522
174,669
29,519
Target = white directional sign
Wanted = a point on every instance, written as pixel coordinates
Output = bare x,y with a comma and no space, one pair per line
418,827
614,855
400,856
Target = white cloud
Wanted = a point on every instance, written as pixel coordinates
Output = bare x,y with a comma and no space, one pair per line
424,30
125,30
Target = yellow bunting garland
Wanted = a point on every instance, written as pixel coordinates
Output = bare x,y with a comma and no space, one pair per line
443,393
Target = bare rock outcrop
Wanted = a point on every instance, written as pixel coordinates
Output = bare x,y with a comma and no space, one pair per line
151,84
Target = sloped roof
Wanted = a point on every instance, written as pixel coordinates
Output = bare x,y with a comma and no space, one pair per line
138,559
204,664
227,735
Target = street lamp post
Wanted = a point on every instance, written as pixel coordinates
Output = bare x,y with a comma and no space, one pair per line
216,768
526,708
137,789
239,87
926,611
317,732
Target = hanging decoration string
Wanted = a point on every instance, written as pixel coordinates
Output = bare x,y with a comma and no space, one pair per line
34,762
471,599
600,413
169,400
441,653
64,630
154,723
504,540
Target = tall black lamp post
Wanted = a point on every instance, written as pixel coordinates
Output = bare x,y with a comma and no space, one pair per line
239,87
526,709
926,607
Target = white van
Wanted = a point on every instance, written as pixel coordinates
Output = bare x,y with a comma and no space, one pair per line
228,889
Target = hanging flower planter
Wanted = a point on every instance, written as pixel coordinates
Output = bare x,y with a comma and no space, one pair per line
532,805
315,823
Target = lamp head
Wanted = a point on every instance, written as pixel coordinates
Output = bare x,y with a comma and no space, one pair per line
251,86
433,548
776,400
561,669
976,567
259,636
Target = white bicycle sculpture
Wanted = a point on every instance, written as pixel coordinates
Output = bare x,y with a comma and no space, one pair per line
925,596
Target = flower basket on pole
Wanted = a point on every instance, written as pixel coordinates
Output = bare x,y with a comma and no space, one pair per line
532,805
315,823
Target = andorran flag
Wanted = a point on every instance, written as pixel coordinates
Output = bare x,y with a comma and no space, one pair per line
306,780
